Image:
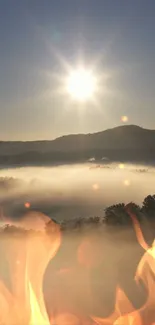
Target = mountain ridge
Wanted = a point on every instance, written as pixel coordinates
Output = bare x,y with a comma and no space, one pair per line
78,134
127,142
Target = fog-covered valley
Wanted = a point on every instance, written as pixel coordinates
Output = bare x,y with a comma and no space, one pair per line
73,190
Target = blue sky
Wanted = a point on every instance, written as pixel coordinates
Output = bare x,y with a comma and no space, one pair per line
36,36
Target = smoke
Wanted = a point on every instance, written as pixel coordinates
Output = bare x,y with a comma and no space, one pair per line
65,192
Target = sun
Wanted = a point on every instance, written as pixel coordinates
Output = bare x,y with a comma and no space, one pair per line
81,85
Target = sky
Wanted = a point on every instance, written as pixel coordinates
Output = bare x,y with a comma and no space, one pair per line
40,39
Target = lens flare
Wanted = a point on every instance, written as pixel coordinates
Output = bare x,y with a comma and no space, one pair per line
121,166
96,187
127,182
27,205
124,118
81,84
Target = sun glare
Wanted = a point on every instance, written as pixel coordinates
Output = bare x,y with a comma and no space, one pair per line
81,84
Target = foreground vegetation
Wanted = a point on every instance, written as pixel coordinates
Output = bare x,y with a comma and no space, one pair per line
117,215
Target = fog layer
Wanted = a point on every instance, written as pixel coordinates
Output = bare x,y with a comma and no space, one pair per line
74,191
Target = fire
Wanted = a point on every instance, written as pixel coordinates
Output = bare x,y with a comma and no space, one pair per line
36,315
25,255
28,253
137,228
66,319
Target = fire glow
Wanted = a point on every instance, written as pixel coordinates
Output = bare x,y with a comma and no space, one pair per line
28,255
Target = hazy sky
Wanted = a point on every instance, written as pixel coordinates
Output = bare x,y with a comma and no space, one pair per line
116,37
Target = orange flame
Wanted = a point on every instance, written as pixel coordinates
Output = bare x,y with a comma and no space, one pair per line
137,228
124,313
24,259
27,256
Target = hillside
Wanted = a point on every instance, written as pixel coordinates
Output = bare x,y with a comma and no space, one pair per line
129,142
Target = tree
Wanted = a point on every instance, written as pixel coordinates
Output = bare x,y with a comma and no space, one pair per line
118,214
135,210
93,220
148,206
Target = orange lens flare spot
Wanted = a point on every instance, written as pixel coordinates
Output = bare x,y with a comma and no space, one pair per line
96,187
121,166
124,119
127,182
27,205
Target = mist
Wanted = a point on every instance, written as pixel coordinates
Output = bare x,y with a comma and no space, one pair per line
64,192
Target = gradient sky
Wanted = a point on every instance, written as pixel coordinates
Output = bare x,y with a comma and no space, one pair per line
37,37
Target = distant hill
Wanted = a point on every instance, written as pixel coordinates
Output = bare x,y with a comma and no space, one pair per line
123,143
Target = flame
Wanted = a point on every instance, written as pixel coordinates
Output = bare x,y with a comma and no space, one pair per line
36,315
24,260
66,319
137,228
124,313
27,255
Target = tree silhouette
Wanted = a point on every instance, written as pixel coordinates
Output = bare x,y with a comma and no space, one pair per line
93,220
148,206
116,215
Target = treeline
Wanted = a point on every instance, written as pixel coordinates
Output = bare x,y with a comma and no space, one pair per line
77,156
114,215
117,214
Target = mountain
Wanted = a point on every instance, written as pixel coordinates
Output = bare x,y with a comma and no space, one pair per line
123,143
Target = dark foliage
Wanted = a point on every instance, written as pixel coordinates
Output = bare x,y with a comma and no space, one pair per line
117,215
